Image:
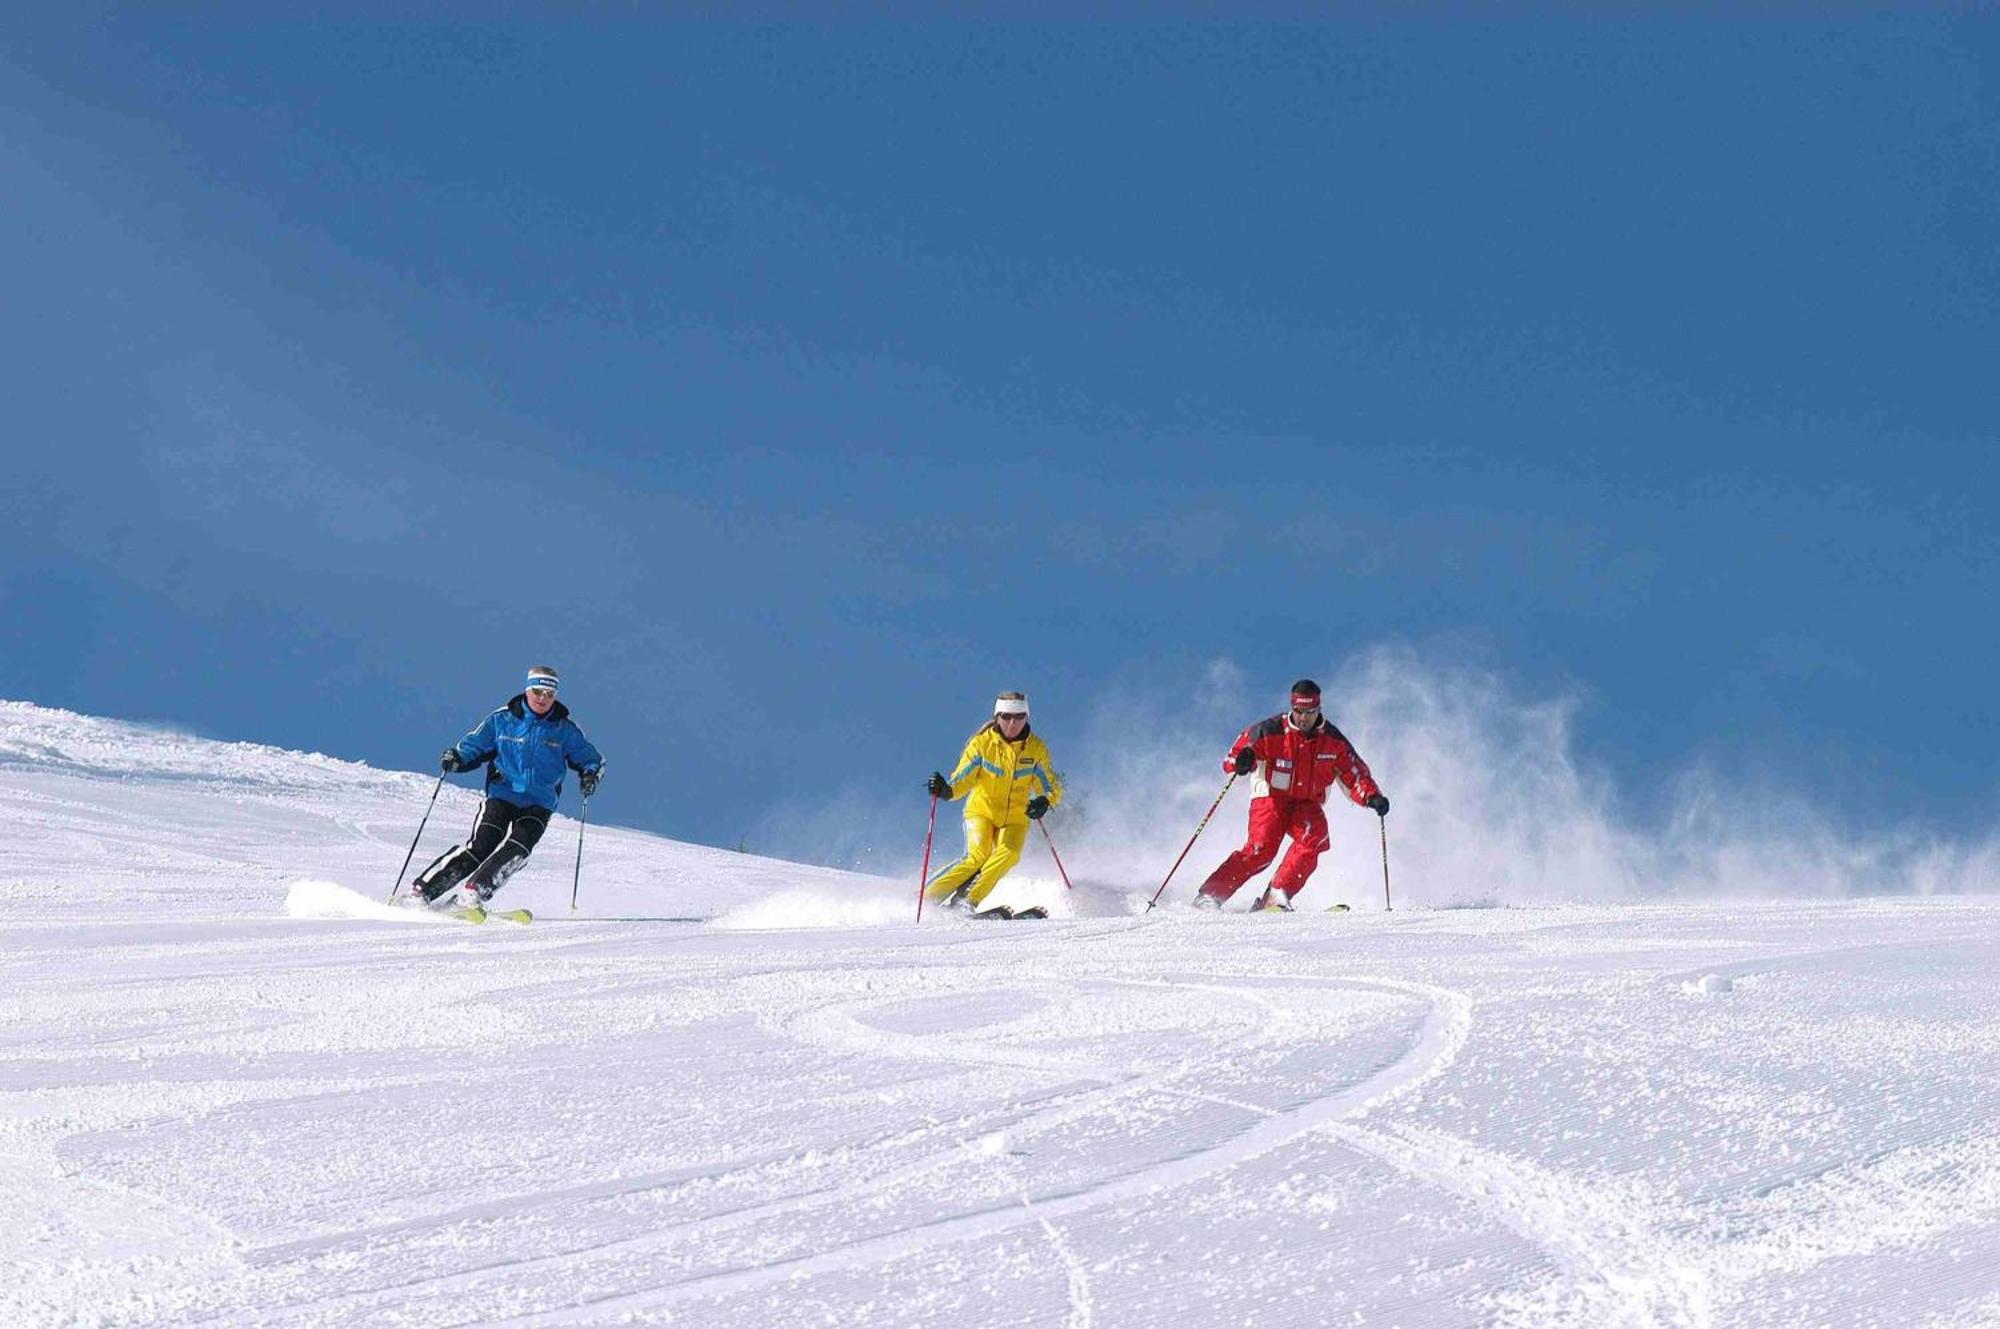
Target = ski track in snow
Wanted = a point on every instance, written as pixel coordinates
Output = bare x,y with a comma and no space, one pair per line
1620,1270
235,1093
836,1028
1080,1313
1441,1037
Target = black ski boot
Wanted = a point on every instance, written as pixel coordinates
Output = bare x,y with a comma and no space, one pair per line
448,869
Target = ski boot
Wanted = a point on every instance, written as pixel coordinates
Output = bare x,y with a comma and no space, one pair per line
1273,901
467,902
432,886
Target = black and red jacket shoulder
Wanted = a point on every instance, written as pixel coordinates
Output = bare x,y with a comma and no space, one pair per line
1302,764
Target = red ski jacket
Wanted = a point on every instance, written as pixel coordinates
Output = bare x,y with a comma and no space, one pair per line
1302,764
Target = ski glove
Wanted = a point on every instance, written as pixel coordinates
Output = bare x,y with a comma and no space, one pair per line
1244,761
938,786
587,780
1038,807
1378,805
450,761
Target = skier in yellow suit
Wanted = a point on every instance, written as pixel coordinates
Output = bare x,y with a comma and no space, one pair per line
1007,780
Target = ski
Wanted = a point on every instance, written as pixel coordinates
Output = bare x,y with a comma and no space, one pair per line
477,915
1003,912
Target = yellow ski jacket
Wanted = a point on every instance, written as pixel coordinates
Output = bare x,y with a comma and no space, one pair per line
997,778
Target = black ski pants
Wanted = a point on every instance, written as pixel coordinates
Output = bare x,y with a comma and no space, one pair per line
502,838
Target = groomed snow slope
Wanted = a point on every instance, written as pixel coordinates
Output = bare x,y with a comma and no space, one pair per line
222,1102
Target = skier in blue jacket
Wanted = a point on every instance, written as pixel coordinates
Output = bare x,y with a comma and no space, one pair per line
528,745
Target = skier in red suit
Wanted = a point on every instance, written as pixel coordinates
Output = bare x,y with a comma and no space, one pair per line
1296,757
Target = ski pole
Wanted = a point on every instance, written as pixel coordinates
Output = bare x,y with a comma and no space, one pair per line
393,890
1386,906
1192,838
577,881
1057,857
924,876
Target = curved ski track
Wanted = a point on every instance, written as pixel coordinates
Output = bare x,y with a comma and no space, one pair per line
1441,1035
1615,1265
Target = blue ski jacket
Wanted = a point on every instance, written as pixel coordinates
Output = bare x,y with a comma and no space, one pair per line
528,754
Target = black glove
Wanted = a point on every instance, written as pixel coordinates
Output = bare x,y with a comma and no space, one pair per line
1038,807
938,786
450,761
1378,805
587,780
1245,760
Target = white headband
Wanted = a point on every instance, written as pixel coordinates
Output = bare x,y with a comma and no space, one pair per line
1010,706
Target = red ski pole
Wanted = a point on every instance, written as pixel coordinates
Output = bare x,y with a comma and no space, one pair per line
923,877
1192,838
1057,857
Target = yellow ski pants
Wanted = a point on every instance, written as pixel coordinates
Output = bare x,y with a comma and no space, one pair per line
990,854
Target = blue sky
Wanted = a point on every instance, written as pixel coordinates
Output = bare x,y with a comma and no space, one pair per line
794,388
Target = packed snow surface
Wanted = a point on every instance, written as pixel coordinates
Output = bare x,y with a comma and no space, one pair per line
239,1088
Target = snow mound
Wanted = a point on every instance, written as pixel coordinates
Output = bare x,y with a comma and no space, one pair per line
1709,985
328,899
876,903
814,909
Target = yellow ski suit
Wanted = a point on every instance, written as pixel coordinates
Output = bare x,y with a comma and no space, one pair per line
996,778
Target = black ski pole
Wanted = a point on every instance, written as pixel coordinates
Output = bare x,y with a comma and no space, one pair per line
576,881
1192,838
393,890
1386,906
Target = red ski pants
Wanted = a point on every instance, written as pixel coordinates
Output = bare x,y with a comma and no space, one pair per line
1271,820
